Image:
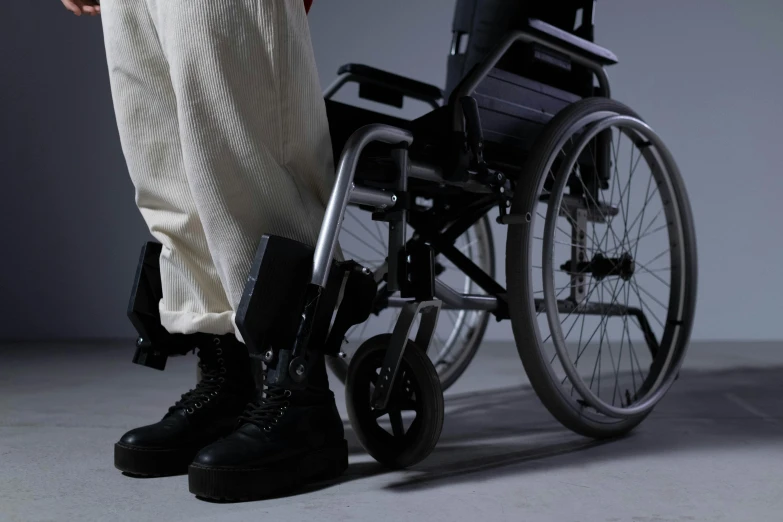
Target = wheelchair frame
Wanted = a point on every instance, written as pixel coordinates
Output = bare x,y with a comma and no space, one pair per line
396,203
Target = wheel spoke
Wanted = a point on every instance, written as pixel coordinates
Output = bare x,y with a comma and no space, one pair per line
355,236
378,238
645,306
407,405
395,416
652,273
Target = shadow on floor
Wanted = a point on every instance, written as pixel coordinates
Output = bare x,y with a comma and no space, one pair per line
487,434
507,431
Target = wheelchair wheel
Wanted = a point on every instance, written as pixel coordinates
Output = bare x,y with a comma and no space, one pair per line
459,332
596,270
414,411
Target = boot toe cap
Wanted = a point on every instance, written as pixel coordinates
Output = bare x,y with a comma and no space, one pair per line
161,435
134,438
242,448
220,454
145,437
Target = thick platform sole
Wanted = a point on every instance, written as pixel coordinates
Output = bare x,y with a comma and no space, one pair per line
153,463
236,485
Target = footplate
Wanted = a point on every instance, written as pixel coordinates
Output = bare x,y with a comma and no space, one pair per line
429,311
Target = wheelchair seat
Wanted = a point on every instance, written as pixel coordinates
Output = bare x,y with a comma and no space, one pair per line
512,108
529,84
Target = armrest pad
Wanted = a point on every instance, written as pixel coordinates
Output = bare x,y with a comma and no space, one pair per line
410,87
596,52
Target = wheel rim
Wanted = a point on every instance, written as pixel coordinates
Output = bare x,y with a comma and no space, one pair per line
458,331
406,397
663,367
414,407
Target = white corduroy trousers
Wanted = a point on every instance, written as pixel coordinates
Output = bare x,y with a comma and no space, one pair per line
223,127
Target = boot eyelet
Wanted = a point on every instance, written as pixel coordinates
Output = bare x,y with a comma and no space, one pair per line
190,410
198,405
216,340
274,421
208,398
267,429
223,370
221,379
287,393
221,361
219,351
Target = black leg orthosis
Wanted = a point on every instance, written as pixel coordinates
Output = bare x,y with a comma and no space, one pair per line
287,321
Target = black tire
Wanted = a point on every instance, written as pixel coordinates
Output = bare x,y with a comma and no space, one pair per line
340,366
520,289
417,370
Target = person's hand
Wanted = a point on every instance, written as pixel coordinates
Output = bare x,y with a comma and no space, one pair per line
79,7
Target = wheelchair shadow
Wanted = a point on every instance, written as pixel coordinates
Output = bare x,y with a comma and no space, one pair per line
507,431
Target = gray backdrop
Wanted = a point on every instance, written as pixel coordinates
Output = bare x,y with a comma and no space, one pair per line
706,74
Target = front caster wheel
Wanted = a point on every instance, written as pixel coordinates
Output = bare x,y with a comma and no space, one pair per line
407,430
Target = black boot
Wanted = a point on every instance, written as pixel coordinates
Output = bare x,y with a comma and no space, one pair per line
283,441
200,417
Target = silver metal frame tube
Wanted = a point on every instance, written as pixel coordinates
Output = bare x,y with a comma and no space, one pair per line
453,300
370,197
343,187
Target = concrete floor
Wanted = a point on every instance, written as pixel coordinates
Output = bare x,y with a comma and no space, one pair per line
712,451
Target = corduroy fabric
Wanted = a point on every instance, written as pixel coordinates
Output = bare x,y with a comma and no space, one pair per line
224,130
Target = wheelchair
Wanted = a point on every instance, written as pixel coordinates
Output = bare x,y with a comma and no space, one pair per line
526,131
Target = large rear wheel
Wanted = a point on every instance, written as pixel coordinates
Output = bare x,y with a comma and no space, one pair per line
601,268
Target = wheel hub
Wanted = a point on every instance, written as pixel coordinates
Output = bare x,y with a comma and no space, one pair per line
601,267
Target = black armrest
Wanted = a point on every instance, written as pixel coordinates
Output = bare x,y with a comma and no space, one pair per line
384,87
591,50
413,88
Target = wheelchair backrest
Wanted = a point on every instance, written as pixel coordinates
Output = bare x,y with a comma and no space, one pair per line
479,25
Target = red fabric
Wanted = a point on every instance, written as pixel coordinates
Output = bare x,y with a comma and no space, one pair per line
308,3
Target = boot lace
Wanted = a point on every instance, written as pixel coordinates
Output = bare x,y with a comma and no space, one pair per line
213,368
265,412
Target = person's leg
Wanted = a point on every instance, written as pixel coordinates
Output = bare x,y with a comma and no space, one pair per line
194,301
253,125
145,108
257,154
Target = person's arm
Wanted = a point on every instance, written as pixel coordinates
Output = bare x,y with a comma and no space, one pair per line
88,7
